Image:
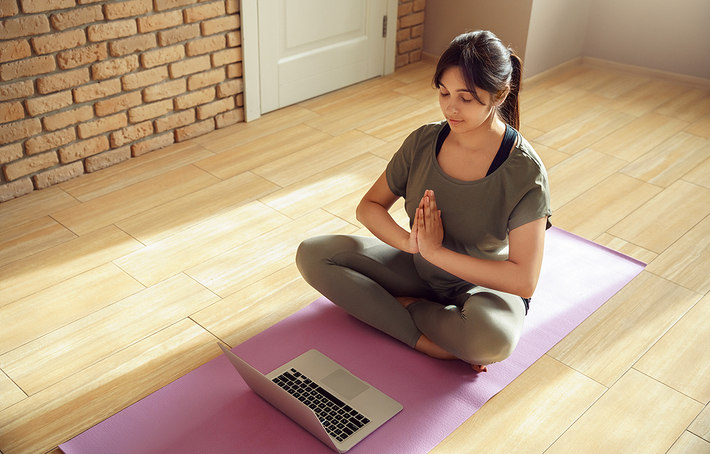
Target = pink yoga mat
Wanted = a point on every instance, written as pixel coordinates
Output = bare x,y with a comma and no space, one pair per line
211,410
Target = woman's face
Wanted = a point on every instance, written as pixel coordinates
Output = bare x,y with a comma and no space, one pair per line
461,109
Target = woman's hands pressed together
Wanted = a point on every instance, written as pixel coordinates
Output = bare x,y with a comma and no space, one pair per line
428,228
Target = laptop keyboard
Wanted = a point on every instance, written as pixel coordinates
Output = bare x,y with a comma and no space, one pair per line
339,419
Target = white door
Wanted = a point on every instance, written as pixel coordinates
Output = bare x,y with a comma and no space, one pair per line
311,47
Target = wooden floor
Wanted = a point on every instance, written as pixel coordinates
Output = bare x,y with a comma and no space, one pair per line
116,283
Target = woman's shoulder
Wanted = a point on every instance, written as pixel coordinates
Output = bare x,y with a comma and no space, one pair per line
526,151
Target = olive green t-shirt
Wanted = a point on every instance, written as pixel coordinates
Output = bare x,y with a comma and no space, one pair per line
476,215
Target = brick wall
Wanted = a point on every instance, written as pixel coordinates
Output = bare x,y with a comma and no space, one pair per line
85,84
410,29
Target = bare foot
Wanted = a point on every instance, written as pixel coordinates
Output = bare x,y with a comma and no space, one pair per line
478,368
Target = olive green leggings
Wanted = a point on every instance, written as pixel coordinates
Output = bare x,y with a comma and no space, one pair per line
363,276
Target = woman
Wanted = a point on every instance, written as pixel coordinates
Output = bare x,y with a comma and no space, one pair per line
457,285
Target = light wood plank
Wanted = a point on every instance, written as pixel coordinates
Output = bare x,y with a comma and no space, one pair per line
611,340
663,220
200,242
257,306
75,346
10,393
628,419
31,237
52,266
345,208
686,261
138,198
325,187
584,130
242,133
552,114
62,304
136,170
31,207
669,161
626,248
701,425
261,151
318,157
233,269
690,444
532,412
700,175
579,173
690,106
67,408
683,354
182,213
701,127
640,136
647,96
396,126
598,209
550,157
336,101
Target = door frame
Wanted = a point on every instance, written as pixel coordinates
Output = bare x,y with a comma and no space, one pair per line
250,53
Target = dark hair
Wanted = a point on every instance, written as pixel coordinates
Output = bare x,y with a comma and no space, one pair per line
487,64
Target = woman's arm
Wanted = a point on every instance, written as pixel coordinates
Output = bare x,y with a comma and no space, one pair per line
517,275
373,212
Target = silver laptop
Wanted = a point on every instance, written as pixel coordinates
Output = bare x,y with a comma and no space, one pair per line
321,396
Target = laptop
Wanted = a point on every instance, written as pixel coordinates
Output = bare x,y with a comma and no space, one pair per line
321,396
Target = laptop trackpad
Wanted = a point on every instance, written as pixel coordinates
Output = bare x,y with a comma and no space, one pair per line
345,384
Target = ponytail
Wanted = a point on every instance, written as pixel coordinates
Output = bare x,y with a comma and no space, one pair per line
510,109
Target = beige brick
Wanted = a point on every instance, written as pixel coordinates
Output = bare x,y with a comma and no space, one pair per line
12,132
43,104
152,144
175,120
82,149
404,9
164,90
234,70
162,56
97,90
82,56
15,189
59,175
107,159
417,31
14,50
145,78
127,9
10,153
419,5
41,6
46,142
24,26
205,11
408,46
195,98
205,45
194,130
234,39
201,80
67,118
63,80
230,88
215,108
8,8
76,17
28,166
16,90
48,44
137,43
227,56
162,5
27,67
112,30
232,6
240,100
403,35
219,25
149,111
411,20
115,67
11,111
189,66
131,134
118,103
159,21
102,125
178,34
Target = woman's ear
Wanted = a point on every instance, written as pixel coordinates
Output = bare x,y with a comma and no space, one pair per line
500,97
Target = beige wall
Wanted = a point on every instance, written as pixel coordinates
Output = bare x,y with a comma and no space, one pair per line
445,19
